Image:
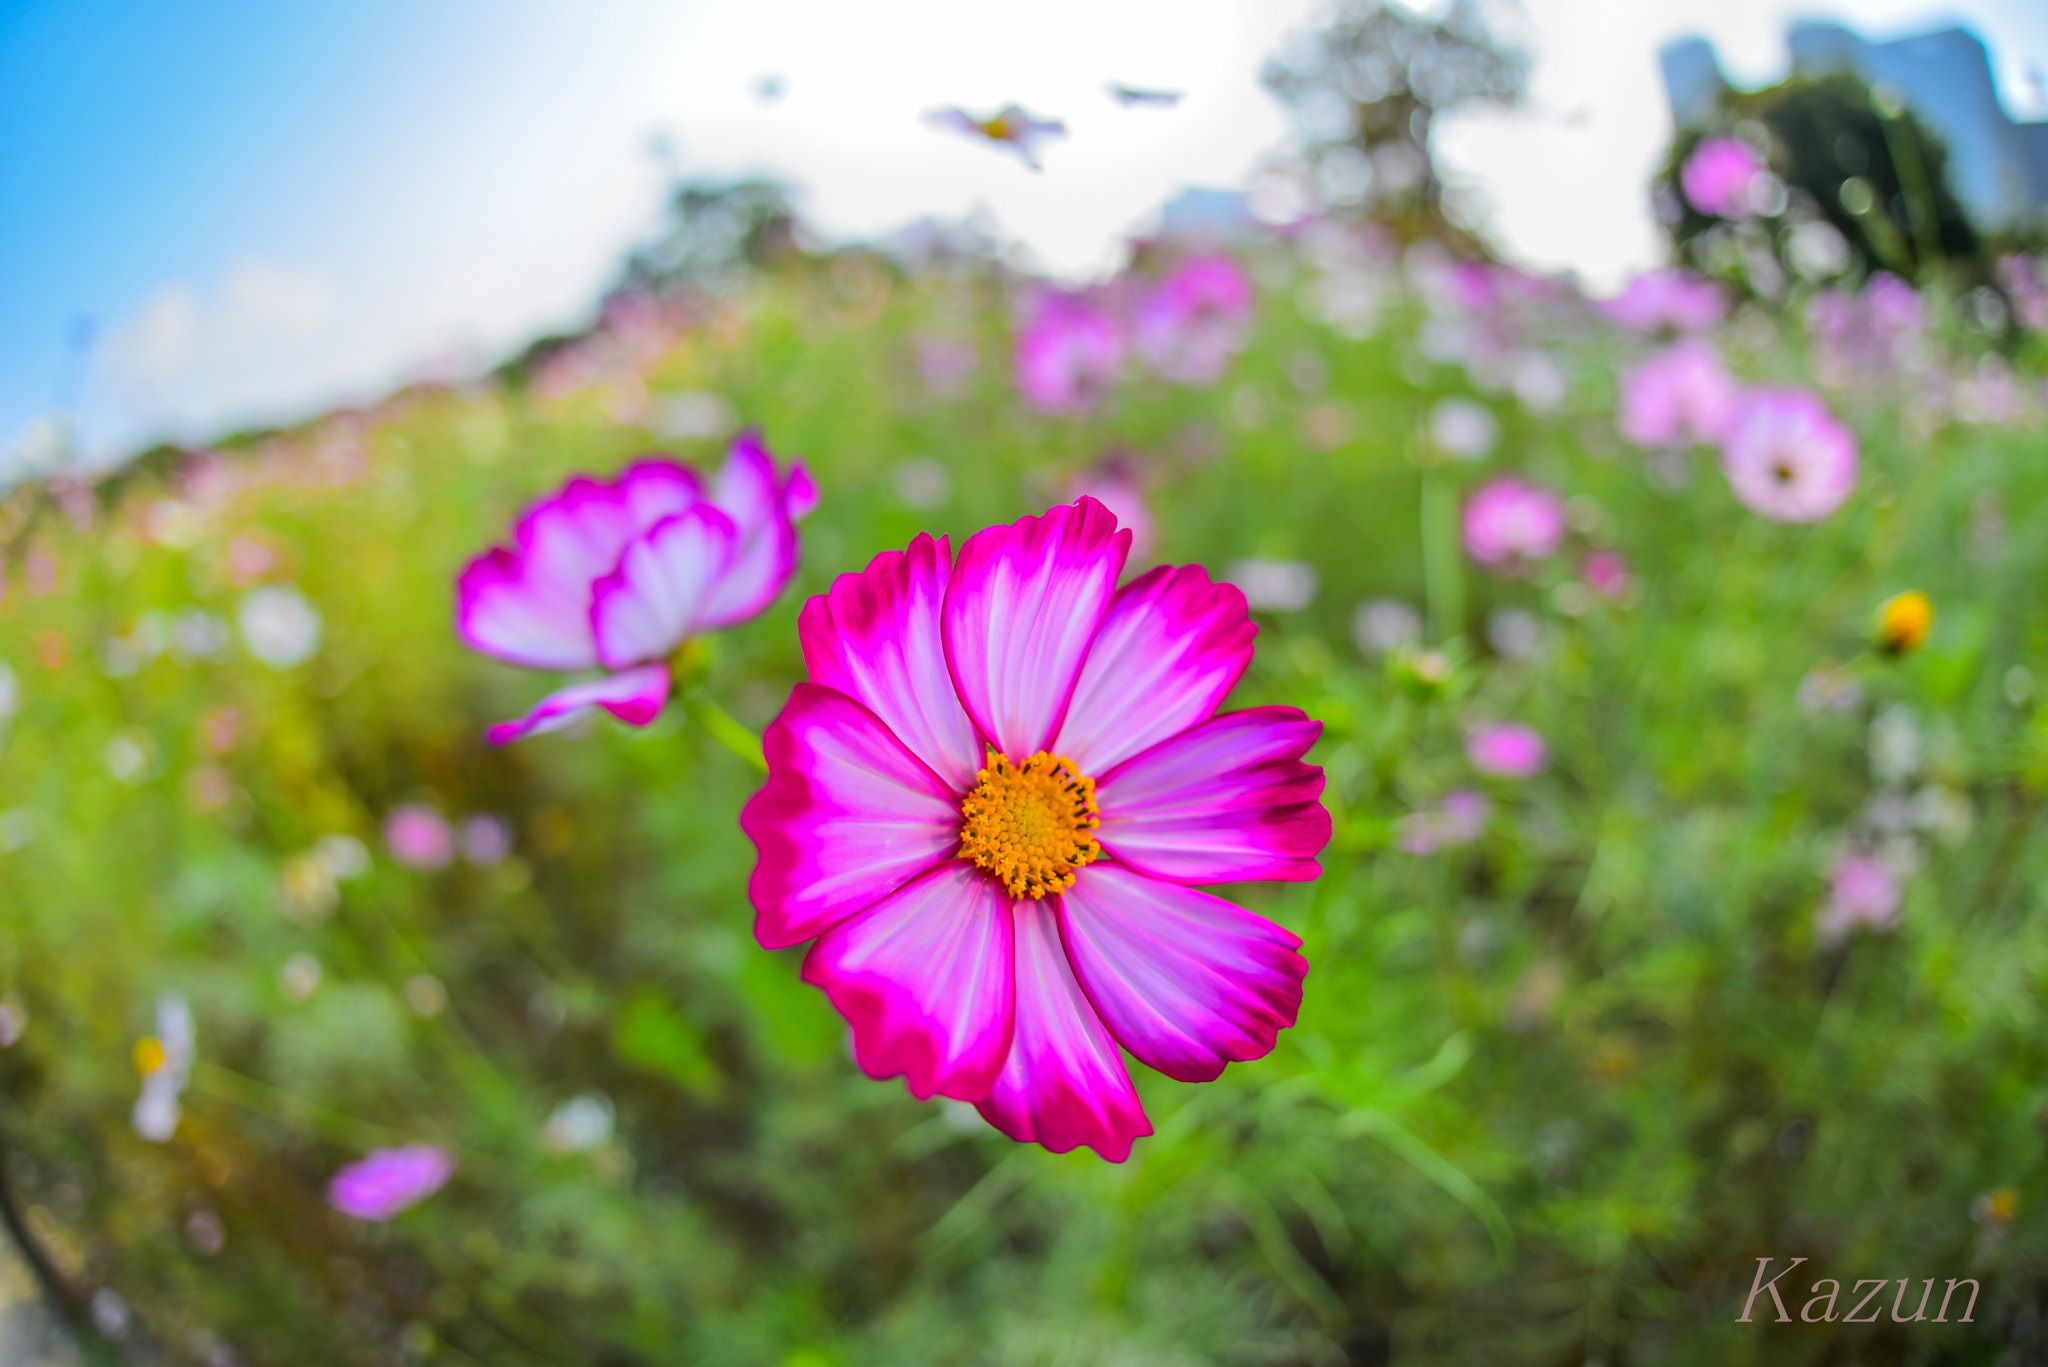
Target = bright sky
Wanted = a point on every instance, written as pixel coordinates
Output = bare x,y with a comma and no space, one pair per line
267,209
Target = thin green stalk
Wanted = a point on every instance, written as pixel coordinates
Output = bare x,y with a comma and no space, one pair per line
1443,574
724,729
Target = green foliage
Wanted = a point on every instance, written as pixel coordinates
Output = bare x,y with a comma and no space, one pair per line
1871,171
1550,1096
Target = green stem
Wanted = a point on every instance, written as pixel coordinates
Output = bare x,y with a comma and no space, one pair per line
1443,577
725,730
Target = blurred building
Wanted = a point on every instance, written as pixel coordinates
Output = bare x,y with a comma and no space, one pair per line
1998,167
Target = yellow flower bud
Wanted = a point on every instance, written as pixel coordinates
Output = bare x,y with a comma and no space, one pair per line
1904,622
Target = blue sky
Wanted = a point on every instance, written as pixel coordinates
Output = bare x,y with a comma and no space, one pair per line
270,208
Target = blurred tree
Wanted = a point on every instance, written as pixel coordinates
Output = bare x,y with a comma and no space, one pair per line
716,231
1862,187
1367,89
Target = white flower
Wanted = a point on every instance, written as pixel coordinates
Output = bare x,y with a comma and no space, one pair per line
1464,429
578,1124
1894,745
1274,585
1385,624
166,1065
280,627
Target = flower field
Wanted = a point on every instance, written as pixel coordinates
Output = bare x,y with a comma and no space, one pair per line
1665,869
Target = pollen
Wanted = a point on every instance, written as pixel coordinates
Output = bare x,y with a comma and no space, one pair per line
1031,825
1904,622
149,1055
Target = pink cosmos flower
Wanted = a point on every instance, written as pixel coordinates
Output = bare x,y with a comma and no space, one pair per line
1068,355
1786,457
1509,524
1867,339
1195,321
1606,573
989,809
388,1181
1721,178
1681,396
419,837
1864,891
1506,750
1667,299
617,576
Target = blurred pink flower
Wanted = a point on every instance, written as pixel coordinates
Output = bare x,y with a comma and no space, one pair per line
945,364
388,1181
619,575
1606,573
1509,524
419,837
1786,457
1116,486
1506,750
1190,326
1866,339
486,840
1667,299
1681,396
1863,890
1458,820
2021,279
1722,177
1068,355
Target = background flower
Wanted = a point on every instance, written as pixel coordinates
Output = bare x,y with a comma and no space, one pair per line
1068,355
1786,457
387,1182
1509,524
1506,750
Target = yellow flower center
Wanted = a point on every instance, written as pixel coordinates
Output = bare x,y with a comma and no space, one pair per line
1904,623
998,128
149,1055
1031,826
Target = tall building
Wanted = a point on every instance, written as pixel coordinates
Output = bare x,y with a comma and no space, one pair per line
1998,168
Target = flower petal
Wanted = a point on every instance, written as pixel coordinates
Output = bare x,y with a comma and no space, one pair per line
1064,1083
654,489
848,816
503,608
1019,614
764,511
1168,652
927,979
1222,802
875,637
530,605
1185,981
655,599
634,696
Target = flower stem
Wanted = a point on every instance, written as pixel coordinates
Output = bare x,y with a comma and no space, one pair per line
725,730
1443,579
